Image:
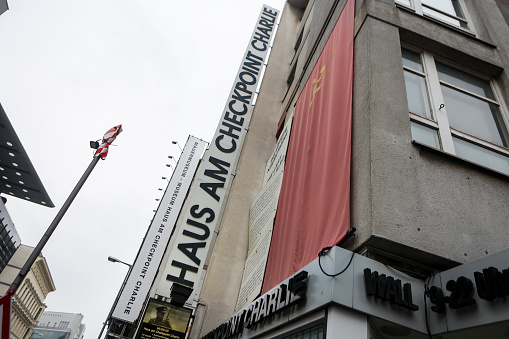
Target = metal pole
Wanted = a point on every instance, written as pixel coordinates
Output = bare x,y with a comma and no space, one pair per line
116,299
38,249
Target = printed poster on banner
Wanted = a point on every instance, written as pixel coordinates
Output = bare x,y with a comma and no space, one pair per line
149,258
164,321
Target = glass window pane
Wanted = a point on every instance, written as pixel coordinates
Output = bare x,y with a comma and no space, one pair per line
481,155
441,17
312,333
448,6
424,135
443,5
464,80
417,95
411,59
474,116
404,2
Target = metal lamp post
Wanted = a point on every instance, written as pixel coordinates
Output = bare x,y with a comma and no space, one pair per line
101,153
108,319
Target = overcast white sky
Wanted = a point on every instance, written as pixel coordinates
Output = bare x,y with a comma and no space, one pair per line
71,70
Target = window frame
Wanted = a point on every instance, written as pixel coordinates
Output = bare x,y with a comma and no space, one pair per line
439,120
416,6
306,327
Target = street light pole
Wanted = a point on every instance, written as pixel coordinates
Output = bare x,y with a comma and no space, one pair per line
38,249
113,259
176,143
101,153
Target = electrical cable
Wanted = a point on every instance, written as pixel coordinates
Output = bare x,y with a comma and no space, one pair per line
426,294
326,250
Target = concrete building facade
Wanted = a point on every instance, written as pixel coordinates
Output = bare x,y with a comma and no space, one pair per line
28,302
60,325
422,250
429,185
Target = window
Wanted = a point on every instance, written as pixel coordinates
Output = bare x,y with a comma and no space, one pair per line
450,12
7,247
455,111
313,332
291,76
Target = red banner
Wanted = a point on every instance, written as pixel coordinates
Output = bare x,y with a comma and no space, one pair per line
314,206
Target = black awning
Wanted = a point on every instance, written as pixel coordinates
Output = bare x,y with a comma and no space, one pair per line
18,177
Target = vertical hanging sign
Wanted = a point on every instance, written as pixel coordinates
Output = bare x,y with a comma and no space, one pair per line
194,234
144,270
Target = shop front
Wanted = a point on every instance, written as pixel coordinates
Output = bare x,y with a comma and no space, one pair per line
345,295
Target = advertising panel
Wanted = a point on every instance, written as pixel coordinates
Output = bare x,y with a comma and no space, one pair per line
194,234
164,321
314,206
143,272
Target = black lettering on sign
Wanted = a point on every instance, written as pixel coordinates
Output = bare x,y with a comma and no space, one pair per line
407,298
264,307
254,313
281,303
393,291
370,280
220,147
492,283
198,214
248,316
190,249
461,293
436,297
387,288
216,174
183,270
381,285
299,287
211,188
204,236
230,131
239,86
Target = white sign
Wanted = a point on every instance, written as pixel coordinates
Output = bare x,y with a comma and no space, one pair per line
261,221
143,272
276,162
263,210
194,234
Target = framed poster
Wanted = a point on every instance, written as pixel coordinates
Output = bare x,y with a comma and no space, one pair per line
164,321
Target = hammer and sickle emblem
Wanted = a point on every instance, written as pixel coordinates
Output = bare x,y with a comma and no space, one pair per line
317,84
